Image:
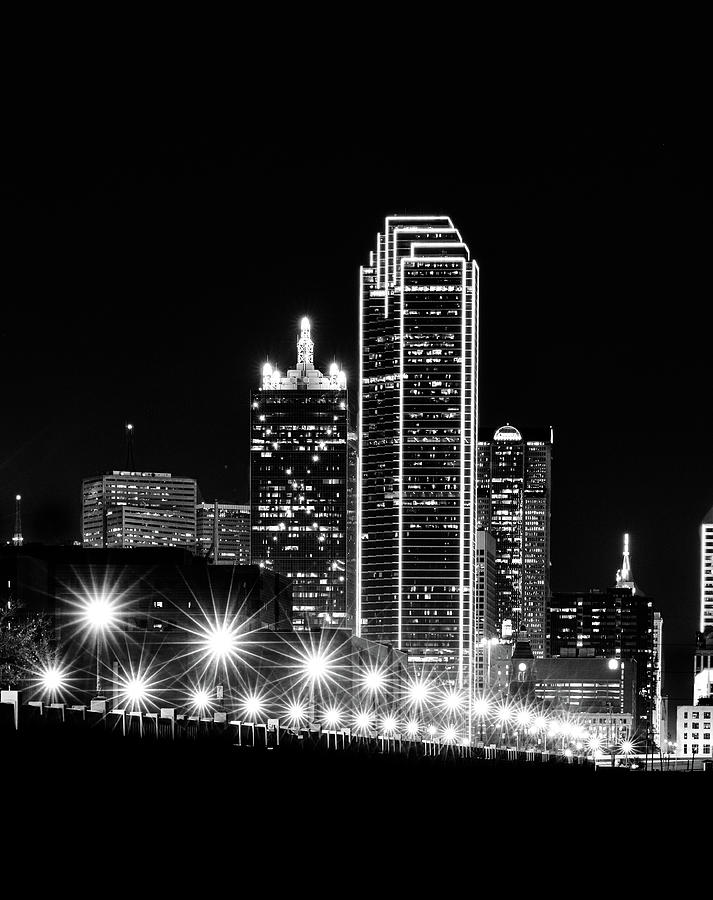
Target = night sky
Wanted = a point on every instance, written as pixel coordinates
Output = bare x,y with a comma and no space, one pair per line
153,262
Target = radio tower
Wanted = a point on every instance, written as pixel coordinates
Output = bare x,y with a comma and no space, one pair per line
130,463
17,536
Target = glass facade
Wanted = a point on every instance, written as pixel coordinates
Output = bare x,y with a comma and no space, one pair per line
418,403
299,474
223,533
514,505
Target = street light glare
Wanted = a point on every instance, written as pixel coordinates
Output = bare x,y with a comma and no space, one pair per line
316,666
221,641
253,705
135,690
333,717
374,680
481,707
100,612
53,679
418,692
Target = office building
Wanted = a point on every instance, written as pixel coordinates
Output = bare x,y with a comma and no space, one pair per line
139,509
585,686
618,623
418,322
693,731
706,533
299,484
485,606
514,505
223,533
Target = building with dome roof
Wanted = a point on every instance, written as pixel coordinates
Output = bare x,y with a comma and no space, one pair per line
514,476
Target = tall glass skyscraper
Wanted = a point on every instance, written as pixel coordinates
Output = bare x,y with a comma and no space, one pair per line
514,505
299,472
417,443
707,571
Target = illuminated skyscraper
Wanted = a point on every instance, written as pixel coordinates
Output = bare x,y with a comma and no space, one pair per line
223,533
707,571
139,509
299,472
514,486
418,426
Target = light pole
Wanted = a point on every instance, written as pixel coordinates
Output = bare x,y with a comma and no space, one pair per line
99,614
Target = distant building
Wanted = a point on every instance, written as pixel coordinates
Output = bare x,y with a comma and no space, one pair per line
139,509
514,504
693,731
485,618
703,655
706,599
586,686
223,533
619,623
299,484
703,685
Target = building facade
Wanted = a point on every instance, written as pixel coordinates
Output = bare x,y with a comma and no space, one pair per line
223,533
418,320
612,624
514,505
299,479
485,606
139,509
694,730
706,533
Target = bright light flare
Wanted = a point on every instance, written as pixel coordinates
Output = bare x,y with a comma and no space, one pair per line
362,721
453,701
626,747
296,713
389,725
253,706
450,735
332,717
200,699
374,680
220,642
418,693
594,744
540,723
524,717
316,666
53,679
481,707
412,728
504,714
100,613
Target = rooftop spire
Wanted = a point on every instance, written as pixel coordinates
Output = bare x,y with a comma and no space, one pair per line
17,536
305,347
624,576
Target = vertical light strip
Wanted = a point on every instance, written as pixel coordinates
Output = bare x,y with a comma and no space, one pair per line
461,548
401,460
360,420
475,351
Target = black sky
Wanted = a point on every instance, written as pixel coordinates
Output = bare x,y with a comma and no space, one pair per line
153,262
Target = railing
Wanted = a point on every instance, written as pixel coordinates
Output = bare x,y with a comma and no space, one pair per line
71,721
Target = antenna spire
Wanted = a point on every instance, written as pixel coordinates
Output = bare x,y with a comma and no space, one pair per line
305,347
17,536
624,576
130,462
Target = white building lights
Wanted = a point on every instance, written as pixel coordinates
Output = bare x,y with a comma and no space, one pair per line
418,430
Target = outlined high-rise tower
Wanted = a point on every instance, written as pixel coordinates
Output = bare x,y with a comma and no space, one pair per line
418,324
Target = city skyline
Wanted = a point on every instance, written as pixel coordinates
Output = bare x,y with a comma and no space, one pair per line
198,432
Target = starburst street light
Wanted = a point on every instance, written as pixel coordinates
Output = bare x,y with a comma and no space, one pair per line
200,700
99,613
296,713
418,692
219,642
362,721
53,679
374,680
252,706
453,700
412,728
389,725
481,707
316,666
450,735
332,717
